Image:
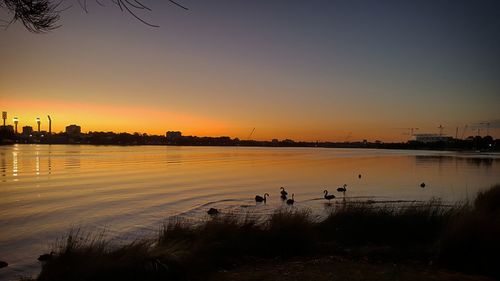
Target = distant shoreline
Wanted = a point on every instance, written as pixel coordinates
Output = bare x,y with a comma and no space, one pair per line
8,136
387,146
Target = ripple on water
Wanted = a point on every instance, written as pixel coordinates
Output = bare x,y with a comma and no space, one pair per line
130,191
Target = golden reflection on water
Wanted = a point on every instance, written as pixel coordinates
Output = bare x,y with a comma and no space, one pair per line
37,163
103,181
14,165
132,189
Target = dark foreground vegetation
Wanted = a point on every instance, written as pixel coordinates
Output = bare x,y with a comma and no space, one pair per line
357,241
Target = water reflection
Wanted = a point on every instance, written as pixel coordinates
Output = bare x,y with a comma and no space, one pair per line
14,164
18,164
478,162
482,161
126,189
4,166
72,159
49,161
37,164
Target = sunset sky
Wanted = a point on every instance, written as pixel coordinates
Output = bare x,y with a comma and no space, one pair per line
305,70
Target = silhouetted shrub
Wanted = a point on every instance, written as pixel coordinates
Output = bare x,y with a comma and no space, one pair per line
471,241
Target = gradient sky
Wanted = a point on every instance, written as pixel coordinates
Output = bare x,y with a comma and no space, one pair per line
306,70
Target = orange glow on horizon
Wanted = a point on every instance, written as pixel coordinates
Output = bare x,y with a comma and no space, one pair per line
106,117
154,120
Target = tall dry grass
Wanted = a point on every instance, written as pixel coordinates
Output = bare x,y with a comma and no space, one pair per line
462,237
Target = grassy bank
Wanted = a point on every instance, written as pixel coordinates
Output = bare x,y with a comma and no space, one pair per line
461,238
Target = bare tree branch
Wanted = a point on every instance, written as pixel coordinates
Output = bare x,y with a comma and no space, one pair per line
172,1
99,3
142,5
83,5
40,16
124,4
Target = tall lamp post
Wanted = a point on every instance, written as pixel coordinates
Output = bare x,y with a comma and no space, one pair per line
16,121
50,128
50,125
38,123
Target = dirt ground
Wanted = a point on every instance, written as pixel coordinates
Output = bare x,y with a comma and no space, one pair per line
337,268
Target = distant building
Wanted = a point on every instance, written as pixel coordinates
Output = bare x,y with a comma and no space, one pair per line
73,130
27,131
7,128
427,138
173,135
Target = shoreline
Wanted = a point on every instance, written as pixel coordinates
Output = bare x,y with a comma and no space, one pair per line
471,152
421,236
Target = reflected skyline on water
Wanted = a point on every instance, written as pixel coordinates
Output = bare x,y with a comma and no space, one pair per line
72,159
472,160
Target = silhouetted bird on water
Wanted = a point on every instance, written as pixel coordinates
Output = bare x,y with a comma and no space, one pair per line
328,197
283,191
213,211
290,201
359,176
3,264
342,189
422,185
259,198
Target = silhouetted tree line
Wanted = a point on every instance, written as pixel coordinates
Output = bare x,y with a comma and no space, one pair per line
6,135
486,143
471,143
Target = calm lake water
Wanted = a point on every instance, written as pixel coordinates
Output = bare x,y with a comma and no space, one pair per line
129,191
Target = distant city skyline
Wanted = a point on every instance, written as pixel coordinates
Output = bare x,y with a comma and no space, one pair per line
315,70
481,128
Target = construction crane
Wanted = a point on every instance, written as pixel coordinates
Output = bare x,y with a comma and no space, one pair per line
411,130
487,127
463,132
347,137
440,130
251,133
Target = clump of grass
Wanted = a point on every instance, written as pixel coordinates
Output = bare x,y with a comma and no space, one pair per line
212,244
360,224
471,241
488,202
90,257
288,232
218,242
387,232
